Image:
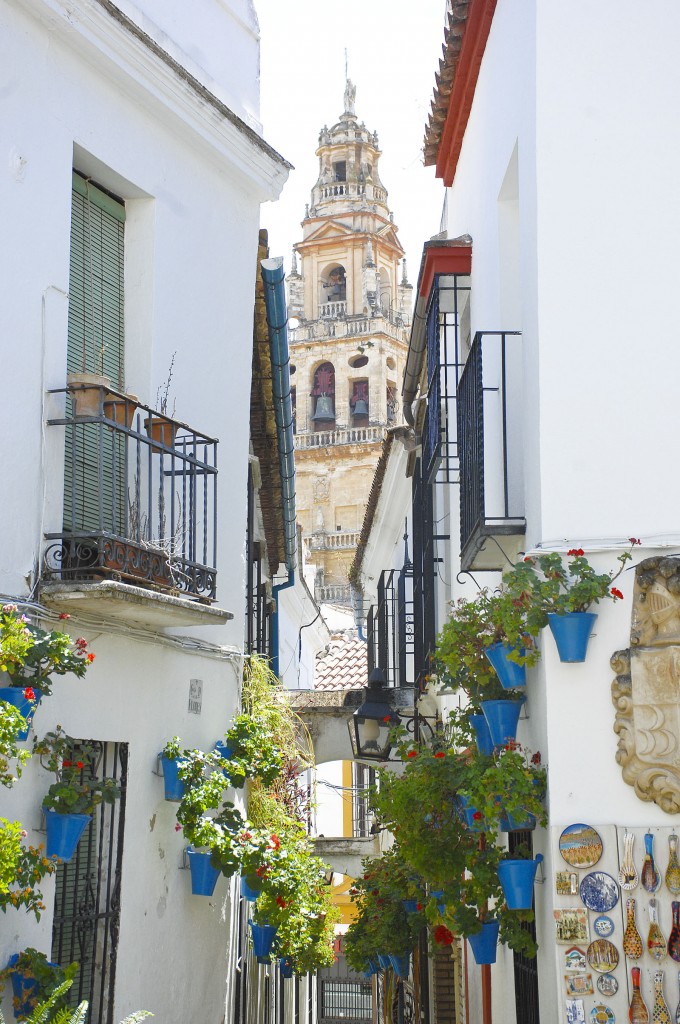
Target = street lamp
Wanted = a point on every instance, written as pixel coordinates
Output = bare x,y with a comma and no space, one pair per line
372,722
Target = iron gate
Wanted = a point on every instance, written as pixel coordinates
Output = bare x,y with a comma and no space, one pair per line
87,899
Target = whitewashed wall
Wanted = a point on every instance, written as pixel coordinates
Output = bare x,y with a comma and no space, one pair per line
79,89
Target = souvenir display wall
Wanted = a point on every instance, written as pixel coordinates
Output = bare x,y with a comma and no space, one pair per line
617,923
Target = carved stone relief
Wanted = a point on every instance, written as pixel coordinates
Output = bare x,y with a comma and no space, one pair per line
646,690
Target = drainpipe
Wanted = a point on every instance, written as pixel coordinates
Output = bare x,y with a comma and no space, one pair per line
273,277
358,605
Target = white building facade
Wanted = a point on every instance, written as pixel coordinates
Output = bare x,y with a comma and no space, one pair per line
134,170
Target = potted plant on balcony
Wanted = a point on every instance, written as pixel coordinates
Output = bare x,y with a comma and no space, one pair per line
30,656
559,594
70,801
34,978
161,426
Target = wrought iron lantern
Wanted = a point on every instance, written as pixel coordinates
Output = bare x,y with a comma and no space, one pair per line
371,724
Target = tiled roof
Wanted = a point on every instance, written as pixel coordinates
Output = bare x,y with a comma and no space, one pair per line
343,663
453,41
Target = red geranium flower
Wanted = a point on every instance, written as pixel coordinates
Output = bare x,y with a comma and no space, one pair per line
275,842
387,718
67,764
477,816
536,758
90,657
178,827
442,935
634,540
29,693
80,764
281,902
576,552
412,753
64,615
616,593
440,753
419,906
528,558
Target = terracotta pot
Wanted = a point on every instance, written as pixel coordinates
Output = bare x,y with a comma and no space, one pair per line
162,430
87,391
121,410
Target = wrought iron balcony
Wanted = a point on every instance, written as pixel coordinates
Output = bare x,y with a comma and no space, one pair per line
140,497
489,405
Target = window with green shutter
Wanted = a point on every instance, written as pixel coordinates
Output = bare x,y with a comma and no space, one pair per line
96,344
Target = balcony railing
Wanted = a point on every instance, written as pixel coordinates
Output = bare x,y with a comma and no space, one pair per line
331,309
489,447
391,323
341,540
353,435
140,497
334,593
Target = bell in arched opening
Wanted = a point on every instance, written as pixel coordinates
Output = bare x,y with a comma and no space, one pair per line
361,407
324,408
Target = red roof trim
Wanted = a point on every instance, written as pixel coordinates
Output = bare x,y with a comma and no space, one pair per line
477,30
444,261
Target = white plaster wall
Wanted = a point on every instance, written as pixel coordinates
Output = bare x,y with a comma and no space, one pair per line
331,799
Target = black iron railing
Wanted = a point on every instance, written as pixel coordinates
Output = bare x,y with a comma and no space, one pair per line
140,497
489,418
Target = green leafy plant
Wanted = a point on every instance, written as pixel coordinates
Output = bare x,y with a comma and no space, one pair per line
21,868
77,789
42,1014
556,583
29,655
253,750
473,626
511,781
12,756
35,966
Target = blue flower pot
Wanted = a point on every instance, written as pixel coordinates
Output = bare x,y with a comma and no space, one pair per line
24,989
286,967
15,695
572,632
174,786
467,813
384,962
517,881
203,875
502,717
263,938
63,833
511,675
526,823
410,906
483,944
401,965
248,892
482,734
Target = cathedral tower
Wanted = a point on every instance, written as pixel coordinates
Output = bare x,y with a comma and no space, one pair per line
349,308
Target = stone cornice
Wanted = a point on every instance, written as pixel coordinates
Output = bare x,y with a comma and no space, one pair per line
122,50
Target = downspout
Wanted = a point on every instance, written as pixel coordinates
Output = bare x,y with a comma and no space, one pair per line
273,277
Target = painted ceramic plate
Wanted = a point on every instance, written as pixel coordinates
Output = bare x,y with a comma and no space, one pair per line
599,891
607,985
603,956
580,846
602,1014
603,926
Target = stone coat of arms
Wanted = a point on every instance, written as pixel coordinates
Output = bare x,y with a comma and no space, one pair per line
646,690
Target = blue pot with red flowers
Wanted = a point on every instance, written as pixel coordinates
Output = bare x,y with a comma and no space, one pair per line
571,631
174,786
472,818
485,942
25,699
263,936
64,832
483,739
286,967
250,889
502,717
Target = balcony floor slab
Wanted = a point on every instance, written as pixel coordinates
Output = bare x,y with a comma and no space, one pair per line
135,605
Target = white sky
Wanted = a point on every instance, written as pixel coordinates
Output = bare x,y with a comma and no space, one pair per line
393,50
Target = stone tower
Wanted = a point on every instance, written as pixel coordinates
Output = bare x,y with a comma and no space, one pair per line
350,309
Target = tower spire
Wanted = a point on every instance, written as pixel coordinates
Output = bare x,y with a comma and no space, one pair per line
350,91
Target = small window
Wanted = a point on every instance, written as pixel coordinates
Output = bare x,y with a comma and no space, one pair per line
357,361
340,170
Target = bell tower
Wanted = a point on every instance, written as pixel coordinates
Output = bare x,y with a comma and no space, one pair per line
350,309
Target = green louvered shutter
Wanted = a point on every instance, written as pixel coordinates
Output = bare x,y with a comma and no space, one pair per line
95,345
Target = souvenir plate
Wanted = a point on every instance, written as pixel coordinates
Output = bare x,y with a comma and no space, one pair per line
575,959
571,926
607,985
601,1014
603,926
580,846
599,891
603,956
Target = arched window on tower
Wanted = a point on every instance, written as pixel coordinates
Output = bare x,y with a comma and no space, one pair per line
385,292
392,403
358,402
323,394
333,292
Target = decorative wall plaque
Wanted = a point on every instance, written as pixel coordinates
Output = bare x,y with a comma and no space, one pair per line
646,690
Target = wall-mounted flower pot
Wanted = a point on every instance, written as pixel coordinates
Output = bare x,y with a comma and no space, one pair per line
467,813
372,967
203,875
263,938
63,833
502,717
484,943
517,881
410,906
250,891
512,676
25,990
482,734
572,632
384,961
401,965
524,823
286,967
15,695
226,753
174,786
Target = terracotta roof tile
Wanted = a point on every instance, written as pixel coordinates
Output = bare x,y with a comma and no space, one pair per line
343,663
